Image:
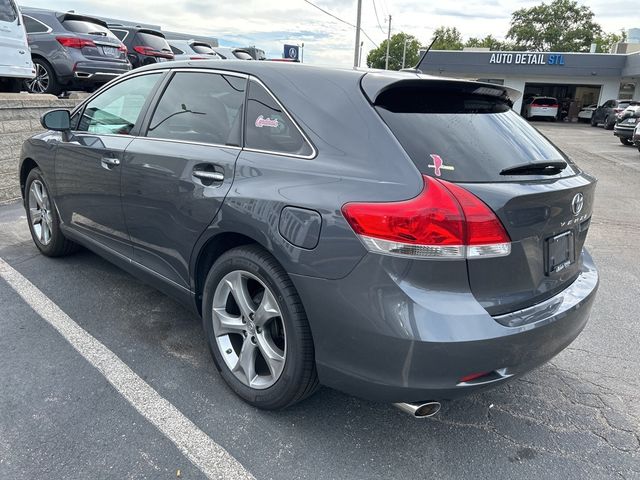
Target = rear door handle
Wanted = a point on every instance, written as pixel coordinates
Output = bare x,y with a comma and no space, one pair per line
210,176
110,162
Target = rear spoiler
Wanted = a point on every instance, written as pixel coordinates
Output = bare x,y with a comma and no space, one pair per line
374,84
82,18
151,32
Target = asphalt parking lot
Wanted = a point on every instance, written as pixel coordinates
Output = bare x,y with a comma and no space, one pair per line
60,417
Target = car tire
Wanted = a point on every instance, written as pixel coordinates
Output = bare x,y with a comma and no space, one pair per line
43,220
608,125
45,80
593,122
242,344
625,141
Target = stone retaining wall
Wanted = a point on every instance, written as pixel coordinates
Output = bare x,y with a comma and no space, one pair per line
19,119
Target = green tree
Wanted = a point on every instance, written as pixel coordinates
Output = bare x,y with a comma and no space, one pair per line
489,42
560,26
606,41
447,38
376,57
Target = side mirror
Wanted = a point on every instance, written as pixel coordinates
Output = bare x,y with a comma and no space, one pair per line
58,120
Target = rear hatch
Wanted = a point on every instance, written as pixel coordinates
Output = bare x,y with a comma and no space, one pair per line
541,197
100,43
153,44
14,51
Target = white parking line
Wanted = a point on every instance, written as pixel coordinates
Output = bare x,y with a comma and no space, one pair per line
213,460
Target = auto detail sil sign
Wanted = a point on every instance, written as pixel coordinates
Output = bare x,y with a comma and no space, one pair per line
527,58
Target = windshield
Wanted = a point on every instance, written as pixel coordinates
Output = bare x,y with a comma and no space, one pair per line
83,26
462,136
203,49
8,11
156,42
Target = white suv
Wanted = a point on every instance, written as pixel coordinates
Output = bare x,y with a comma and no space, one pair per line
15,55
541,107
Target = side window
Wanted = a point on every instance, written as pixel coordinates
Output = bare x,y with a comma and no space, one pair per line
120,34
200,107
269,128
31,25
176,50
116,110
8,11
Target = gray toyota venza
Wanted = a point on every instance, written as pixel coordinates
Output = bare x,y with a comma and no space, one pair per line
399,237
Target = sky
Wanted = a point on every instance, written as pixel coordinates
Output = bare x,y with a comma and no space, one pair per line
269,24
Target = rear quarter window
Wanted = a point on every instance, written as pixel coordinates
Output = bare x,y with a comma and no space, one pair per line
463,137
31,25
269,128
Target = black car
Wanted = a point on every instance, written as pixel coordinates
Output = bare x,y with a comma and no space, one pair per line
626,124
71,51
146,46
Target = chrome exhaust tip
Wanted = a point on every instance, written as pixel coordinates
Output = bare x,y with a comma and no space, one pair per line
419,410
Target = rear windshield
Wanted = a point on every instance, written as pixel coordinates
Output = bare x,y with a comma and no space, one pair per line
463,136
83,26
8,11
545,101
624,104
204,49
154,41
243,55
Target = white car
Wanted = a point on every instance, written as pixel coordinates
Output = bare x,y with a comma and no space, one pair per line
585,114
192,50
15,55
546,107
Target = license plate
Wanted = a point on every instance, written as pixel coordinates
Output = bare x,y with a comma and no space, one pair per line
110,51
560,252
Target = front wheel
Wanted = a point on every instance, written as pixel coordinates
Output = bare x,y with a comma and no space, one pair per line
42,216
257,329
625,141
45,80
608,125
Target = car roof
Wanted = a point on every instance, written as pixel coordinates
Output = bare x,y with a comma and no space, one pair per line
375,81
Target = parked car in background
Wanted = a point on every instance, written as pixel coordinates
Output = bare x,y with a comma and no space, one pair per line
229,53
606,114
626,124
423,269
71,51
636,136
192,50
15,58
541,107
144,45
585,113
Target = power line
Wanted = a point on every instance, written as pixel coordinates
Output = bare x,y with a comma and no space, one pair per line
375,9
341,20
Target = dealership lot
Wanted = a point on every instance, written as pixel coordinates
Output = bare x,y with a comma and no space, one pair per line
577,417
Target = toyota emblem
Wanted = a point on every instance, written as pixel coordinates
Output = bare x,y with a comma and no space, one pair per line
577,203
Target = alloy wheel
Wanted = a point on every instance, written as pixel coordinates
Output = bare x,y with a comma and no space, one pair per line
249,329
40,212
39,84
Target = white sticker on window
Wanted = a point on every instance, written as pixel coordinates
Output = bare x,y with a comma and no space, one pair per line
267,122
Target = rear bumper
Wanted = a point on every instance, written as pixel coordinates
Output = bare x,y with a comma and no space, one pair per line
99,72
380,337
623,132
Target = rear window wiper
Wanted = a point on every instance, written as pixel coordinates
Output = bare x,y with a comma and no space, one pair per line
536,168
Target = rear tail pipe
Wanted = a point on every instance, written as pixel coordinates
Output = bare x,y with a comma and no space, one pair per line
419,410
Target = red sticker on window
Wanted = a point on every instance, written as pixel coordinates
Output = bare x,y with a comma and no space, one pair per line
438,164
266,122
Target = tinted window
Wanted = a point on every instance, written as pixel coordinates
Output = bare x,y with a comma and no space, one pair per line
204,49
32,25
83,26
156,42
116,110
269,128
243,55
624,104
176,50
545,101
475,136
200,107
121,34
8,11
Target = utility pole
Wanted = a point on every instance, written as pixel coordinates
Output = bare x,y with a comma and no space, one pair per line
386,62
360,57
302,54
404,51
356,52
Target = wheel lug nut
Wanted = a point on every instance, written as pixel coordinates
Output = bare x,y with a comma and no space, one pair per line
258,329
253,339
229,351
251,316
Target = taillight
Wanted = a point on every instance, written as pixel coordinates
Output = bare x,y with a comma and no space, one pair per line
443,221
75,42
151,52
123,48
197,58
